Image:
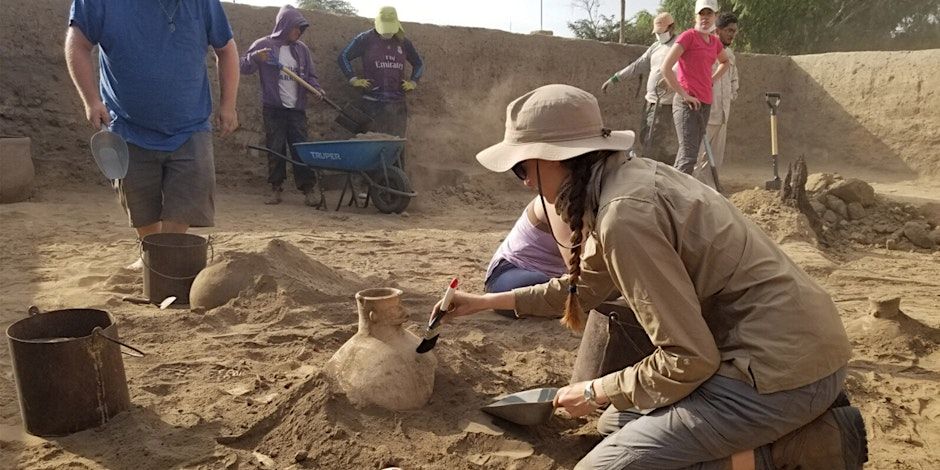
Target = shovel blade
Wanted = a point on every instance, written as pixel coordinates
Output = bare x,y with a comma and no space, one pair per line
354,119
773,185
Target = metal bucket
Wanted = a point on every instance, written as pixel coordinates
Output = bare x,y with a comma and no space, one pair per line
68,369
171,263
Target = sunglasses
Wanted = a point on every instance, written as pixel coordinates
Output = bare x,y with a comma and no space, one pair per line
519,170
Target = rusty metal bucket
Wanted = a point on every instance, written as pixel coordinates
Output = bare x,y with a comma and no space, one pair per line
171,263
68,369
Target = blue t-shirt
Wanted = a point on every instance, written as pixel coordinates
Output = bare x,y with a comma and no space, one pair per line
154,80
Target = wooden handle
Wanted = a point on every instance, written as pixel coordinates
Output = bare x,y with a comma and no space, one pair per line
290,73
773,135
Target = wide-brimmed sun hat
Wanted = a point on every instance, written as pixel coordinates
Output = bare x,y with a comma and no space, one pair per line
553,122
386,22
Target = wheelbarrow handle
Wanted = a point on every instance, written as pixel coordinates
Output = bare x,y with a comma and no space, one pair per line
290,73
278,155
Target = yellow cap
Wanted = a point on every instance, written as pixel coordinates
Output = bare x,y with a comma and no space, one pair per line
386,22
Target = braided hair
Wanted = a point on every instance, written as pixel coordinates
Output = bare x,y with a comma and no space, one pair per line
577,210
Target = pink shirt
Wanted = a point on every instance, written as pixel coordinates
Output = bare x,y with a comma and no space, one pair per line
695,64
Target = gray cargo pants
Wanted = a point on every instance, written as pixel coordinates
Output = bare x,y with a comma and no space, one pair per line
721,417
690,129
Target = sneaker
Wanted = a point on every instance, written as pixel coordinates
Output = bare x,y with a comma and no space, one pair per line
836,440
275,196
313,199
136,265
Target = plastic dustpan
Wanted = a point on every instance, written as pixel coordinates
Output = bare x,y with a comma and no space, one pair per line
527,408
110,152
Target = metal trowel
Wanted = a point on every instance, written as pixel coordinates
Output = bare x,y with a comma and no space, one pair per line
530,407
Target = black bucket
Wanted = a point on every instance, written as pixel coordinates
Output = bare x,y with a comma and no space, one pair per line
68,368
171,263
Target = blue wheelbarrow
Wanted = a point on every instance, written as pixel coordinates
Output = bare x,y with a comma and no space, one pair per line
377,162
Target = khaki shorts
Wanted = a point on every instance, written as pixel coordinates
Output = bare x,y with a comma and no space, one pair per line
177,186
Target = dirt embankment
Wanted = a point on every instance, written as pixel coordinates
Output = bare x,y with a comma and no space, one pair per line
835,105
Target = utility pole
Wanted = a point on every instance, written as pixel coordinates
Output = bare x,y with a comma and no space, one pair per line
541,28
623,12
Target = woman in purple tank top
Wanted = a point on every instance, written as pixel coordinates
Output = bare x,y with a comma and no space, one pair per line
528,255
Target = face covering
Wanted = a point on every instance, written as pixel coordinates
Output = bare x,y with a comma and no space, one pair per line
663,38
388,36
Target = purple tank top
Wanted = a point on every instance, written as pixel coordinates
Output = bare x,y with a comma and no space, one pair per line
529,248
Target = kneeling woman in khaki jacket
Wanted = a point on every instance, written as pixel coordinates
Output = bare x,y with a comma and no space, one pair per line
750,353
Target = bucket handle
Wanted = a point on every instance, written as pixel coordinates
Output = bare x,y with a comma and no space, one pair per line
33,310
137,352
140,249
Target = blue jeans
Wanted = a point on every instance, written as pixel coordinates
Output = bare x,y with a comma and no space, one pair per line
506,277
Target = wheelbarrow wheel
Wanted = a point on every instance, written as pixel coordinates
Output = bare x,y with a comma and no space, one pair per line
385,201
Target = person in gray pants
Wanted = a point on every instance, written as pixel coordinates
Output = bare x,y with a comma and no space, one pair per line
747,352
695,51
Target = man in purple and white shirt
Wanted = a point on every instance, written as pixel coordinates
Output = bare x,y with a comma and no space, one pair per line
283,100
384,51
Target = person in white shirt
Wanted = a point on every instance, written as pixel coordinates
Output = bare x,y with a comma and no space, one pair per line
657,138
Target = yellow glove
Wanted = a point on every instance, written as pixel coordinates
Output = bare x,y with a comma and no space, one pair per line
360,82
408,85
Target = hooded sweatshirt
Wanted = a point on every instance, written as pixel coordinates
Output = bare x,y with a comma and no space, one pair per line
277,87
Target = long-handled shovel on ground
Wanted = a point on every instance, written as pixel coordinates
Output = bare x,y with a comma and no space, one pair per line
773,100
350,118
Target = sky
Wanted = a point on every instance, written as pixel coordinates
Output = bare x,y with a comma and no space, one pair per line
519,16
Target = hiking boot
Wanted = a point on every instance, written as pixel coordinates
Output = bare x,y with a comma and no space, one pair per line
275,196
836,440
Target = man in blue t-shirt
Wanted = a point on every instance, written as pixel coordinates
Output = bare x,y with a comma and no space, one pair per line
153,90
384,50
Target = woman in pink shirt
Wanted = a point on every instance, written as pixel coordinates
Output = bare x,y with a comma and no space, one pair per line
695,51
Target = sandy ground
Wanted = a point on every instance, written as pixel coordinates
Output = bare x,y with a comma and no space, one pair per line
233,386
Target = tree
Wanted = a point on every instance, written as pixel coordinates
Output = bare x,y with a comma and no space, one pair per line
596,26
599,27
339,7
811,26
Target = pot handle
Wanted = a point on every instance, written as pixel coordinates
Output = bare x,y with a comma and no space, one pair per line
137,352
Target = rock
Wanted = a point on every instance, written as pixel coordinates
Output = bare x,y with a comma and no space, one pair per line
856,211
891,244
831,218
917,233
837,205
935,235
854,190
300,456
820,181
819,207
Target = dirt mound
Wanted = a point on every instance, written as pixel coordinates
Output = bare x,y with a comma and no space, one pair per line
781,222
281,273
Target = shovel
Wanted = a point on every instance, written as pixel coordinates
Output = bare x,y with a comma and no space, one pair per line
527,408
773,100
110,152
350,118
